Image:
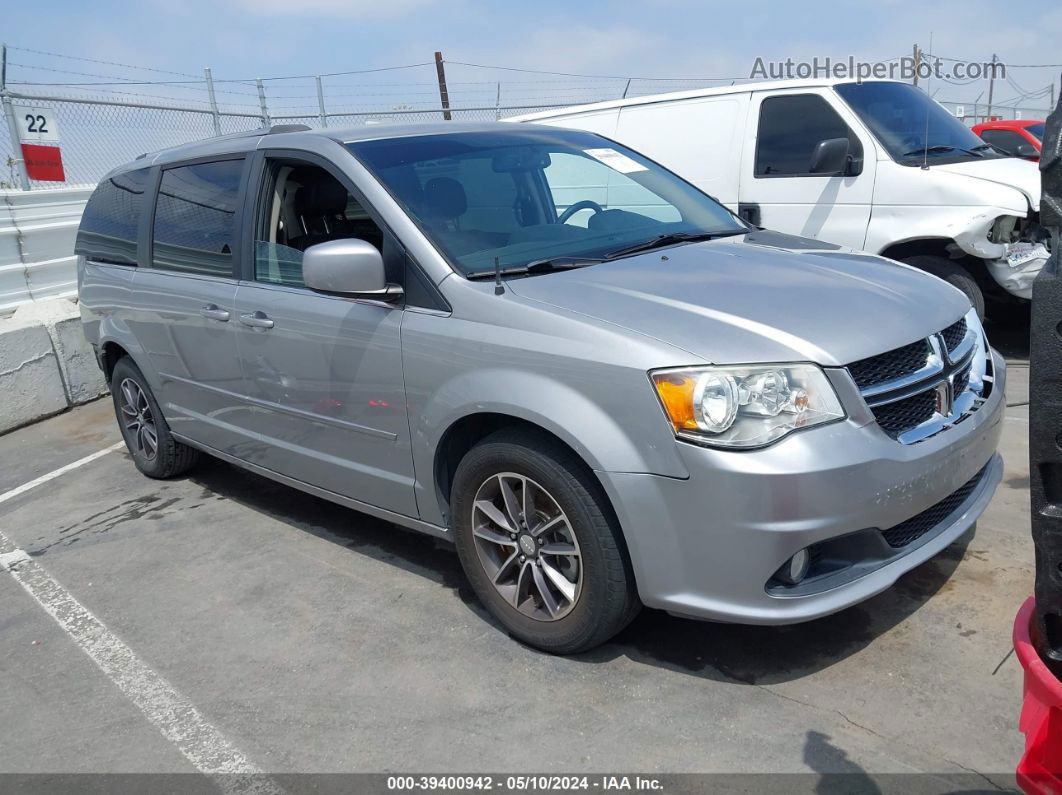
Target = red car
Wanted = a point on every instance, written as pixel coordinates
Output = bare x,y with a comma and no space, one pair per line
1017,137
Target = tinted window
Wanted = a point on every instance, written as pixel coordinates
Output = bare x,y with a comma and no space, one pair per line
109,223
1007,140
195,218
790,128
1036,130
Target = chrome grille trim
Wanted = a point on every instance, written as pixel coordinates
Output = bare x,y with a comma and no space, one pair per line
960,381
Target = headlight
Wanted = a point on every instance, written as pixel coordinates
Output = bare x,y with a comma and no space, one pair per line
745,406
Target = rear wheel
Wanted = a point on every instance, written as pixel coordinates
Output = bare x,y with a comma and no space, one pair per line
147,436
954,274
539,545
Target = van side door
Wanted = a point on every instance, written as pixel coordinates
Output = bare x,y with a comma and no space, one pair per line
322,373
184,302
780,188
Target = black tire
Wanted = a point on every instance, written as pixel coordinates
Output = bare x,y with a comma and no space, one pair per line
170,457
607,601
954,274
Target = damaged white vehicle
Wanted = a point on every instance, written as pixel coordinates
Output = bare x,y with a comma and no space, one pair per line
877,166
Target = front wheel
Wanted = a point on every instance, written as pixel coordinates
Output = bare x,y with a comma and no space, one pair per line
538,543
954,274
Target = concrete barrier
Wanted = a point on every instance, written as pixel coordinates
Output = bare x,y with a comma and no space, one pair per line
46,365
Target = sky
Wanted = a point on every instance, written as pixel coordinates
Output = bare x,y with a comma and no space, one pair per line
644,38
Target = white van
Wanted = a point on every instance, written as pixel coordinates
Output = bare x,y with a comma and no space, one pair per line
876,165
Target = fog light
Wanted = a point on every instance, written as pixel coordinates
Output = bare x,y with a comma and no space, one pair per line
795,569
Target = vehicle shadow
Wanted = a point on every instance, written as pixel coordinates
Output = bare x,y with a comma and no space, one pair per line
741,654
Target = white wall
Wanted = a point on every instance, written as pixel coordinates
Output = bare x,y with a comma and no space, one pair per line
37,230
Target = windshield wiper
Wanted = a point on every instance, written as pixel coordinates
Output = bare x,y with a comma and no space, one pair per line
671,239
562,263
927,149
946,148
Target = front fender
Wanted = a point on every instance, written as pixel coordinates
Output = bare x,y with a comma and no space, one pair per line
602,441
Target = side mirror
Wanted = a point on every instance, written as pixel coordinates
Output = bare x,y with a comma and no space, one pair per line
1026,150
831,157
348,267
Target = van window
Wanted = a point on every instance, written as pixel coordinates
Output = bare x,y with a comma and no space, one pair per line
109,223
306,206
195,218
513,195
789,130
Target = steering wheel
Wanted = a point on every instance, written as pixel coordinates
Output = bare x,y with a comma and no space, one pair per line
585,204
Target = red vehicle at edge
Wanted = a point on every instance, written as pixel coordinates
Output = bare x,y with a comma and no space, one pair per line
1017,137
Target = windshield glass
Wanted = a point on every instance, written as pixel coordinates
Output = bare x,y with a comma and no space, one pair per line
523,195
910,125
1037,130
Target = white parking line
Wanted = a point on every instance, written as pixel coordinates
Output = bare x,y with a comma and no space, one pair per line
7,495
164,707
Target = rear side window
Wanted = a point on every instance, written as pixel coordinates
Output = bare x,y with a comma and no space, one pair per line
109,224
790,128
195,218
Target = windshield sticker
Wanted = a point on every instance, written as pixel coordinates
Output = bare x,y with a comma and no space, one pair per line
616,160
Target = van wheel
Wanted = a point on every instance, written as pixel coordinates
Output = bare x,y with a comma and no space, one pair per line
954,274
538,543
147,436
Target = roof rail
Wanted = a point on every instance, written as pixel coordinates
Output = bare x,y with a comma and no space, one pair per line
273,130
285,128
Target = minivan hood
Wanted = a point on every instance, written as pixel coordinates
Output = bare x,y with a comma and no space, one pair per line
1010,171
758,297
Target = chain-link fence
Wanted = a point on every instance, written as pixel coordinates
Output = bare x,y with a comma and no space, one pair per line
105,122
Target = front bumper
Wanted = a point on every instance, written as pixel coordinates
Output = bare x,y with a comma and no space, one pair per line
708,546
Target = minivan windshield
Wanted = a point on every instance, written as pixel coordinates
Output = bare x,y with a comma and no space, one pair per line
911,126
522,196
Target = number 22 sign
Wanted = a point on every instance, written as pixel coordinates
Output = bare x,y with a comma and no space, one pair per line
38,133
36,124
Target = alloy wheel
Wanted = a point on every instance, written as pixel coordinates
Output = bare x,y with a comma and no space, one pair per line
138,420
527,546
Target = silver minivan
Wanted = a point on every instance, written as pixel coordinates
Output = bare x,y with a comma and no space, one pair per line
600,384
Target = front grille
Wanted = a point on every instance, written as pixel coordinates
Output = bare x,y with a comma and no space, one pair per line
917,526
891,365
954,334
903,415
961,380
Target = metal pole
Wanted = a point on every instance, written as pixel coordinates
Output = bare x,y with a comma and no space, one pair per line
262,102
12,129
626,88
497,103
917,58
320,102
991,86
444,95
213,101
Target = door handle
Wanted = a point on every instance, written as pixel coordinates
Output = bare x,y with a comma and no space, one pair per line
257,319
214,312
